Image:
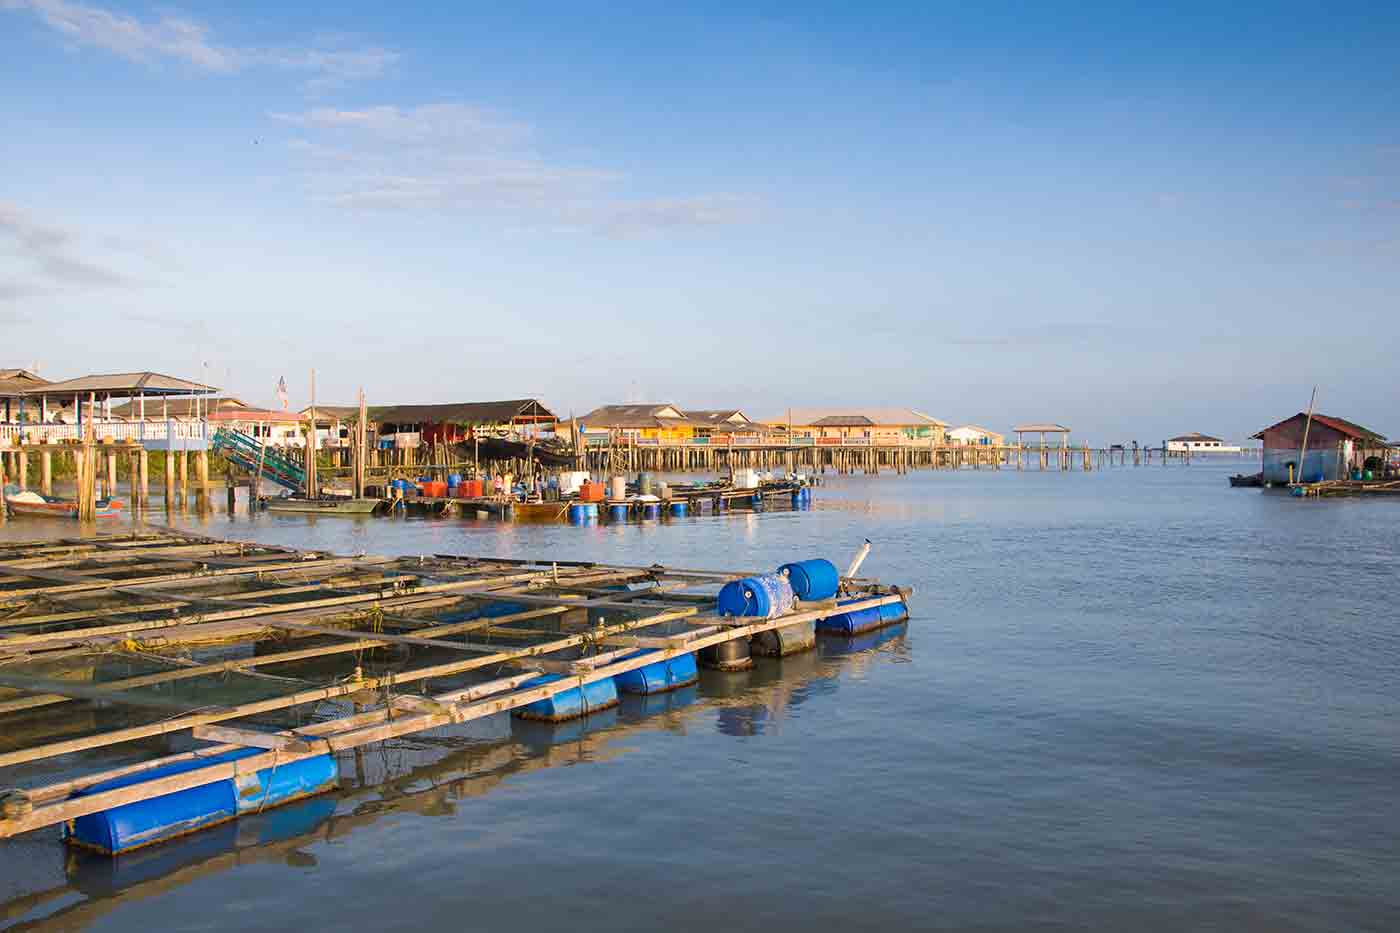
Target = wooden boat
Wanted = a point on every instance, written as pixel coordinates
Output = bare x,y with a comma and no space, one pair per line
539,511
323,506
28,502
1252,480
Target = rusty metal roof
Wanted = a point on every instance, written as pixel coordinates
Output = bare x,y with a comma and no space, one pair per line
1340,425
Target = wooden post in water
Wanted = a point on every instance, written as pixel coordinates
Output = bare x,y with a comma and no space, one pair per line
169,480
312,486
22,470
359,449
87,474
143,467
183,467
46,472
201,496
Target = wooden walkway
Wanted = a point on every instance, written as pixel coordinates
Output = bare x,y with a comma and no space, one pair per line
388,647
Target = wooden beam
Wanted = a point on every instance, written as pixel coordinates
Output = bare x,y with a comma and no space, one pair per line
249,739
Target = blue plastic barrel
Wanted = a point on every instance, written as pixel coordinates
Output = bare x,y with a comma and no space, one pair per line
577,514
454,479
678,508
617,513
146,821
590,509
569,704
863,620
812,579
762,597
651,510
425,479
659,677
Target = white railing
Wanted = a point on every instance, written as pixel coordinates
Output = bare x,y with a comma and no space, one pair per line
12,434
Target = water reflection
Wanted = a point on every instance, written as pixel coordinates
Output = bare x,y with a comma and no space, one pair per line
431,773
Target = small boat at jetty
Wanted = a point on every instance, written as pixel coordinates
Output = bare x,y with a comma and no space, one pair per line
28,502
1252,480
326,505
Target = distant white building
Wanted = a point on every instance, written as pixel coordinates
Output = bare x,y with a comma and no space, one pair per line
975,434
1201,444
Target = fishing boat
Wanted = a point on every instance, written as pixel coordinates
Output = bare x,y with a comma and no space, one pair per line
1252,480
326,505
28,502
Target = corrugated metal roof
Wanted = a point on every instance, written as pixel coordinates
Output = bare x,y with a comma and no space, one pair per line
716,416
460,413
1193,437
843,421
1040,427
636,416
178,407
889,417
1341,425
343,412
15,382
124,384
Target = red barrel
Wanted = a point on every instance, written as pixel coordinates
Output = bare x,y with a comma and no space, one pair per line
473,488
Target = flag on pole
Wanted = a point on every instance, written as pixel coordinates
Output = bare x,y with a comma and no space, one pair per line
282,391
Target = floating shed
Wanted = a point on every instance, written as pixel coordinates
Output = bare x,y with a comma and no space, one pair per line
231,647
1334,447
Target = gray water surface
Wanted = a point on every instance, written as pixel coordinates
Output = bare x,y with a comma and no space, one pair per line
1131,699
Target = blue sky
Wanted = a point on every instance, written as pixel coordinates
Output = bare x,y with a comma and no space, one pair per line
1135,222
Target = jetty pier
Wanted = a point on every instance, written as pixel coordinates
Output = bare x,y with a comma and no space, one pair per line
250,667
472,457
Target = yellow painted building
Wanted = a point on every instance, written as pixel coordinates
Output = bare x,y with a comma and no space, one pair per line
659,423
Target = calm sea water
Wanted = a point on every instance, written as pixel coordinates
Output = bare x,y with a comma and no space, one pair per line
1133,699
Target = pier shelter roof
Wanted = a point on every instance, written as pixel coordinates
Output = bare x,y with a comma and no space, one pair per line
127,385
1040,427
15,382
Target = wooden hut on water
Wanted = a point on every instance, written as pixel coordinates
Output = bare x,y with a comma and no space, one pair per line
878,426
407,426
1325,447
655,423
975,434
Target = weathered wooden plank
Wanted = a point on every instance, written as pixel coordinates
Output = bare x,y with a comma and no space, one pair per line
249,739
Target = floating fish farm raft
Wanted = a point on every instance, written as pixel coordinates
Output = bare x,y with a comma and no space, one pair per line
155,685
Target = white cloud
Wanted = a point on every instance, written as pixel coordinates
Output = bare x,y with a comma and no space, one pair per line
430,123
48,254
173,37
455,157
626,218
